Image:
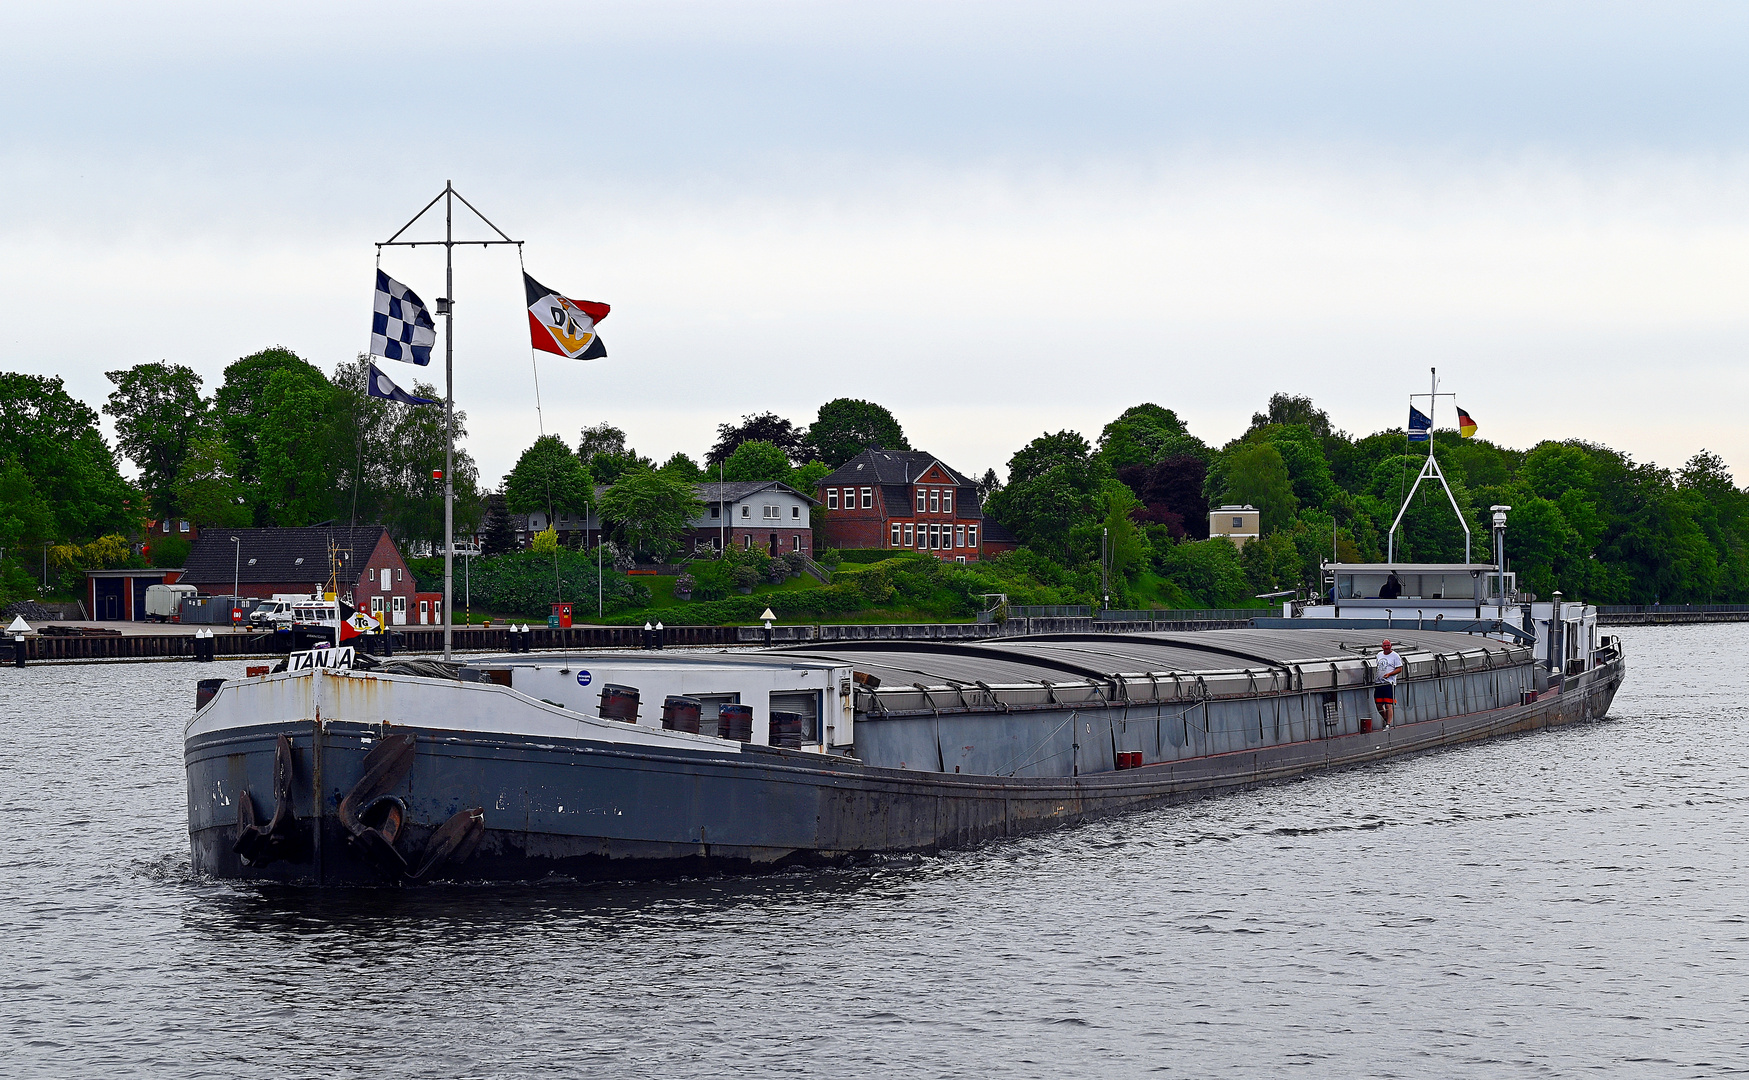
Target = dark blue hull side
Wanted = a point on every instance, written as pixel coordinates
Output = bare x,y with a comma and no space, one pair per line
593,810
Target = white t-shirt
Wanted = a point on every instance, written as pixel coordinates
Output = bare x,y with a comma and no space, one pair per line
1390,666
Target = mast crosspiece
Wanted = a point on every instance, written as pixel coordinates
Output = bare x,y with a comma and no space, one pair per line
1430,469
446,307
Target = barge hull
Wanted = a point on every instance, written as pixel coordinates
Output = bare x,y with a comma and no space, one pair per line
590,810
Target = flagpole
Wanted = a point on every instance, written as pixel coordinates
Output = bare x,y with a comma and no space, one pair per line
448,416
446,308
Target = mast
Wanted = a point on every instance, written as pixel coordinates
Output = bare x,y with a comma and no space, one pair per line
446,308
1430,469
448,414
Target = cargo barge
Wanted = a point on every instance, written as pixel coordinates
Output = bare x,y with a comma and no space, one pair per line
651,764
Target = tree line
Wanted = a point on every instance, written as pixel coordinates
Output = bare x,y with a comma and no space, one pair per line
1123,516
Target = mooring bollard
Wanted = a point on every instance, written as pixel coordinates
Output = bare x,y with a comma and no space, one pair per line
18,650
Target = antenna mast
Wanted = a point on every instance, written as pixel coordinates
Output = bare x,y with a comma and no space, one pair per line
446,308
1430,469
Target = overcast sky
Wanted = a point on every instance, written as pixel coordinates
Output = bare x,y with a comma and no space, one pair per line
994,219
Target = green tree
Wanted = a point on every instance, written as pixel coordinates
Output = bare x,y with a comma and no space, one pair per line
756,461
548,479
1257,476
243,405
1147,434
651,511
807,478
845,427
1209,570
54,441
206,487
764,427
158,412
1288,409
1052,484
297,448
681,466
603,451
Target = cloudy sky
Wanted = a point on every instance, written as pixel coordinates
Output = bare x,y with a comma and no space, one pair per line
995,219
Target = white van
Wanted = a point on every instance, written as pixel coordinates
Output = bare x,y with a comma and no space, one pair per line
272,613
164,602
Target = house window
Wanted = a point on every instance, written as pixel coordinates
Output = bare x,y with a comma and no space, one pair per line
795,543
182,526
895,534
795,512
907,542
868,498
831,498
717,511
746,543
947,501
746,511
166,524
922,500
935,537
400,605
1238,523
934,501
385,576
959,536
376,606
397,573
971,536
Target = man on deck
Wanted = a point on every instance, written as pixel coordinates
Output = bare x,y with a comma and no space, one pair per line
1384,695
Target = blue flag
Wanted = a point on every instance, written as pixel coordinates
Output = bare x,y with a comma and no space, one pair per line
381,386
1418,425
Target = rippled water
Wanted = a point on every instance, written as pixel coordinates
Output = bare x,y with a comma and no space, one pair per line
1549,905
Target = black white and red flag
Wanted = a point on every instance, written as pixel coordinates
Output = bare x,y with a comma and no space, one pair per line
558,324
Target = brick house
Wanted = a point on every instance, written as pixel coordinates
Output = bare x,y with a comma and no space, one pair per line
903,499
367,569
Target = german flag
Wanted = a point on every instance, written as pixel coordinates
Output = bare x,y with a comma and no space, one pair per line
1466,426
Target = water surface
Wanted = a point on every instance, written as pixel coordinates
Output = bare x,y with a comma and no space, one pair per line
1556,904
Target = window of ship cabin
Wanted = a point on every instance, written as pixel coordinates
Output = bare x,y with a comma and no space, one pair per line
934,501
1238,523
709,705
868,498
922,501
895,542
831,498
907,542
806,703
947,501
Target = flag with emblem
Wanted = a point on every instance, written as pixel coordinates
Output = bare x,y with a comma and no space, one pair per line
1419,425
1466,426
557,324
401,328
381,386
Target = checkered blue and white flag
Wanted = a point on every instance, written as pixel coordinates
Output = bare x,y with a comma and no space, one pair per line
401,328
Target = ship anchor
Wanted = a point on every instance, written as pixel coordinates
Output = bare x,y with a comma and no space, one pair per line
374,818
258,844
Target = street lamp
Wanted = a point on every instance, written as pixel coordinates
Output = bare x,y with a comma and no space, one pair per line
236,576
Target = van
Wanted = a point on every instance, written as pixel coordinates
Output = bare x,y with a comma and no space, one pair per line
272,613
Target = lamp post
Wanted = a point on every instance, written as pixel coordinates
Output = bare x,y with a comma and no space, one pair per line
1500,554
236,576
